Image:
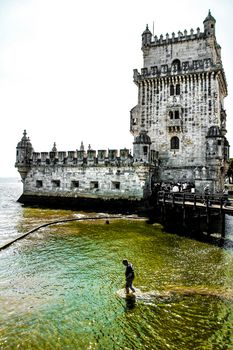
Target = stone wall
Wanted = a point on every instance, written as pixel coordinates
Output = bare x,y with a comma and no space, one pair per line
106,182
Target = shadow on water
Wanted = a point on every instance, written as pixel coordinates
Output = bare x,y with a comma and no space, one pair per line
199,234
204,237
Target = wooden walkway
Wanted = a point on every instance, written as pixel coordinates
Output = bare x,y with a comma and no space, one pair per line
205,213
211,202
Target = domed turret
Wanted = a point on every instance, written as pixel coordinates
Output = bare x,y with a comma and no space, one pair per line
214,131
214,144
143,138
24,151
141,147
209,25
146,37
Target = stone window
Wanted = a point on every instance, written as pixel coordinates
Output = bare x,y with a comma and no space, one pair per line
94,185
174,114
177,89
176,66
145,150
39,183
74,184
154,70
175,142
56,183
185,65
195,64
116,185
210,105
172,90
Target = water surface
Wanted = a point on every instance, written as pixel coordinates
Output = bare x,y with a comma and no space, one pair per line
58,287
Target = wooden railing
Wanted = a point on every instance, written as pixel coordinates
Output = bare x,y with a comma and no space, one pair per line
215,201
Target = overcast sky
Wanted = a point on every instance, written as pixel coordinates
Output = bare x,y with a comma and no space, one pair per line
66,67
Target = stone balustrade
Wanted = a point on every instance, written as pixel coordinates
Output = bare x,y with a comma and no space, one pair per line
166,70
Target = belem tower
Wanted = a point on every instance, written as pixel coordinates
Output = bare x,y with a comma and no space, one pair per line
178,124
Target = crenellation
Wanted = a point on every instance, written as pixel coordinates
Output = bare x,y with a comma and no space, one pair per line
89,157
164,40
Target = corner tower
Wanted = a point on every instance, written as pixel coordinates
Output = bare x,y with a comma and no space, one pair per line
181,91
209,25
24,151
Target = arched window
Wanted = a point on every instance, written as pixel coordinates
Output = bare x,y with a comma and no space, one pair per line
175,142
176,65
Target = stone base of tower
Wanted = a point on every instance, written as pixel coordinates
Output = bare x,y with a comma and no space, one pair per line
124,206
199,177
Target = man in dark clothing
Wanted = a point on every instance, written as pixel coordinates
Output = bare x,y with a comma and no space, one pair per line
129,276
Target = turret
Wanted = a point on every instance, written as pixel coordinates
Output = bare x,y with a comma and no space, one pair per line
146,37
54,149
24,151
209,25
141,147
215,144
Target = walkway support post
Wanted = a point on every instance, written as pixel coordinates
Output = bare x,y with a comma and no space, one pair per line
222,214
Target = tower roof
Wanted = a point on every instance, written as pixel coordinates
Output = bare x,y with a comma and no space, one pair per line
214,131
209,18
147,30
54,149
25,141
143,138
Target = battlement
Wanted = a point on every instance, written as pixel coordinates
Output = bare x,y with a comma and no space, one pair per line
167,39
209,32
80,158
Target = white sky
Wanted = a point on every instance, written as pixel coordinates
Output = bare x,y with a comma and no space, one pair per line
66,67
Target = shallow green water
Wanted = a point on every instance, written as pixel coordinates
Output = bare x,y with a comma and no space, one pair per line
58,288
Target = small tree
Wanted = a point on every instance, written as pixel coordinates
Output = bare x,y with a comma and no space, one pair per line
230,171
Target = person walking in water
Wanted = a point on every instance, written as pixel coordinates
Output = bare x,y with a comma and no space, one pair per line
129,276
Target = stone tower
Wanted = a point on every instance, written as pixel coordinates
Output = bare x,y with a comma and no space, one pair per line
181,91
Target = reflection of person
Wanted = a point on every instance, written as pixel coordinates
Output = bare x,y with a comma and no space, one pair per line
129,276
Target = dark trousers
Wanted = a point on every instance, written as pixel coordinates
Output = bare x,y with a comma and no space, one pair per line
129,285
